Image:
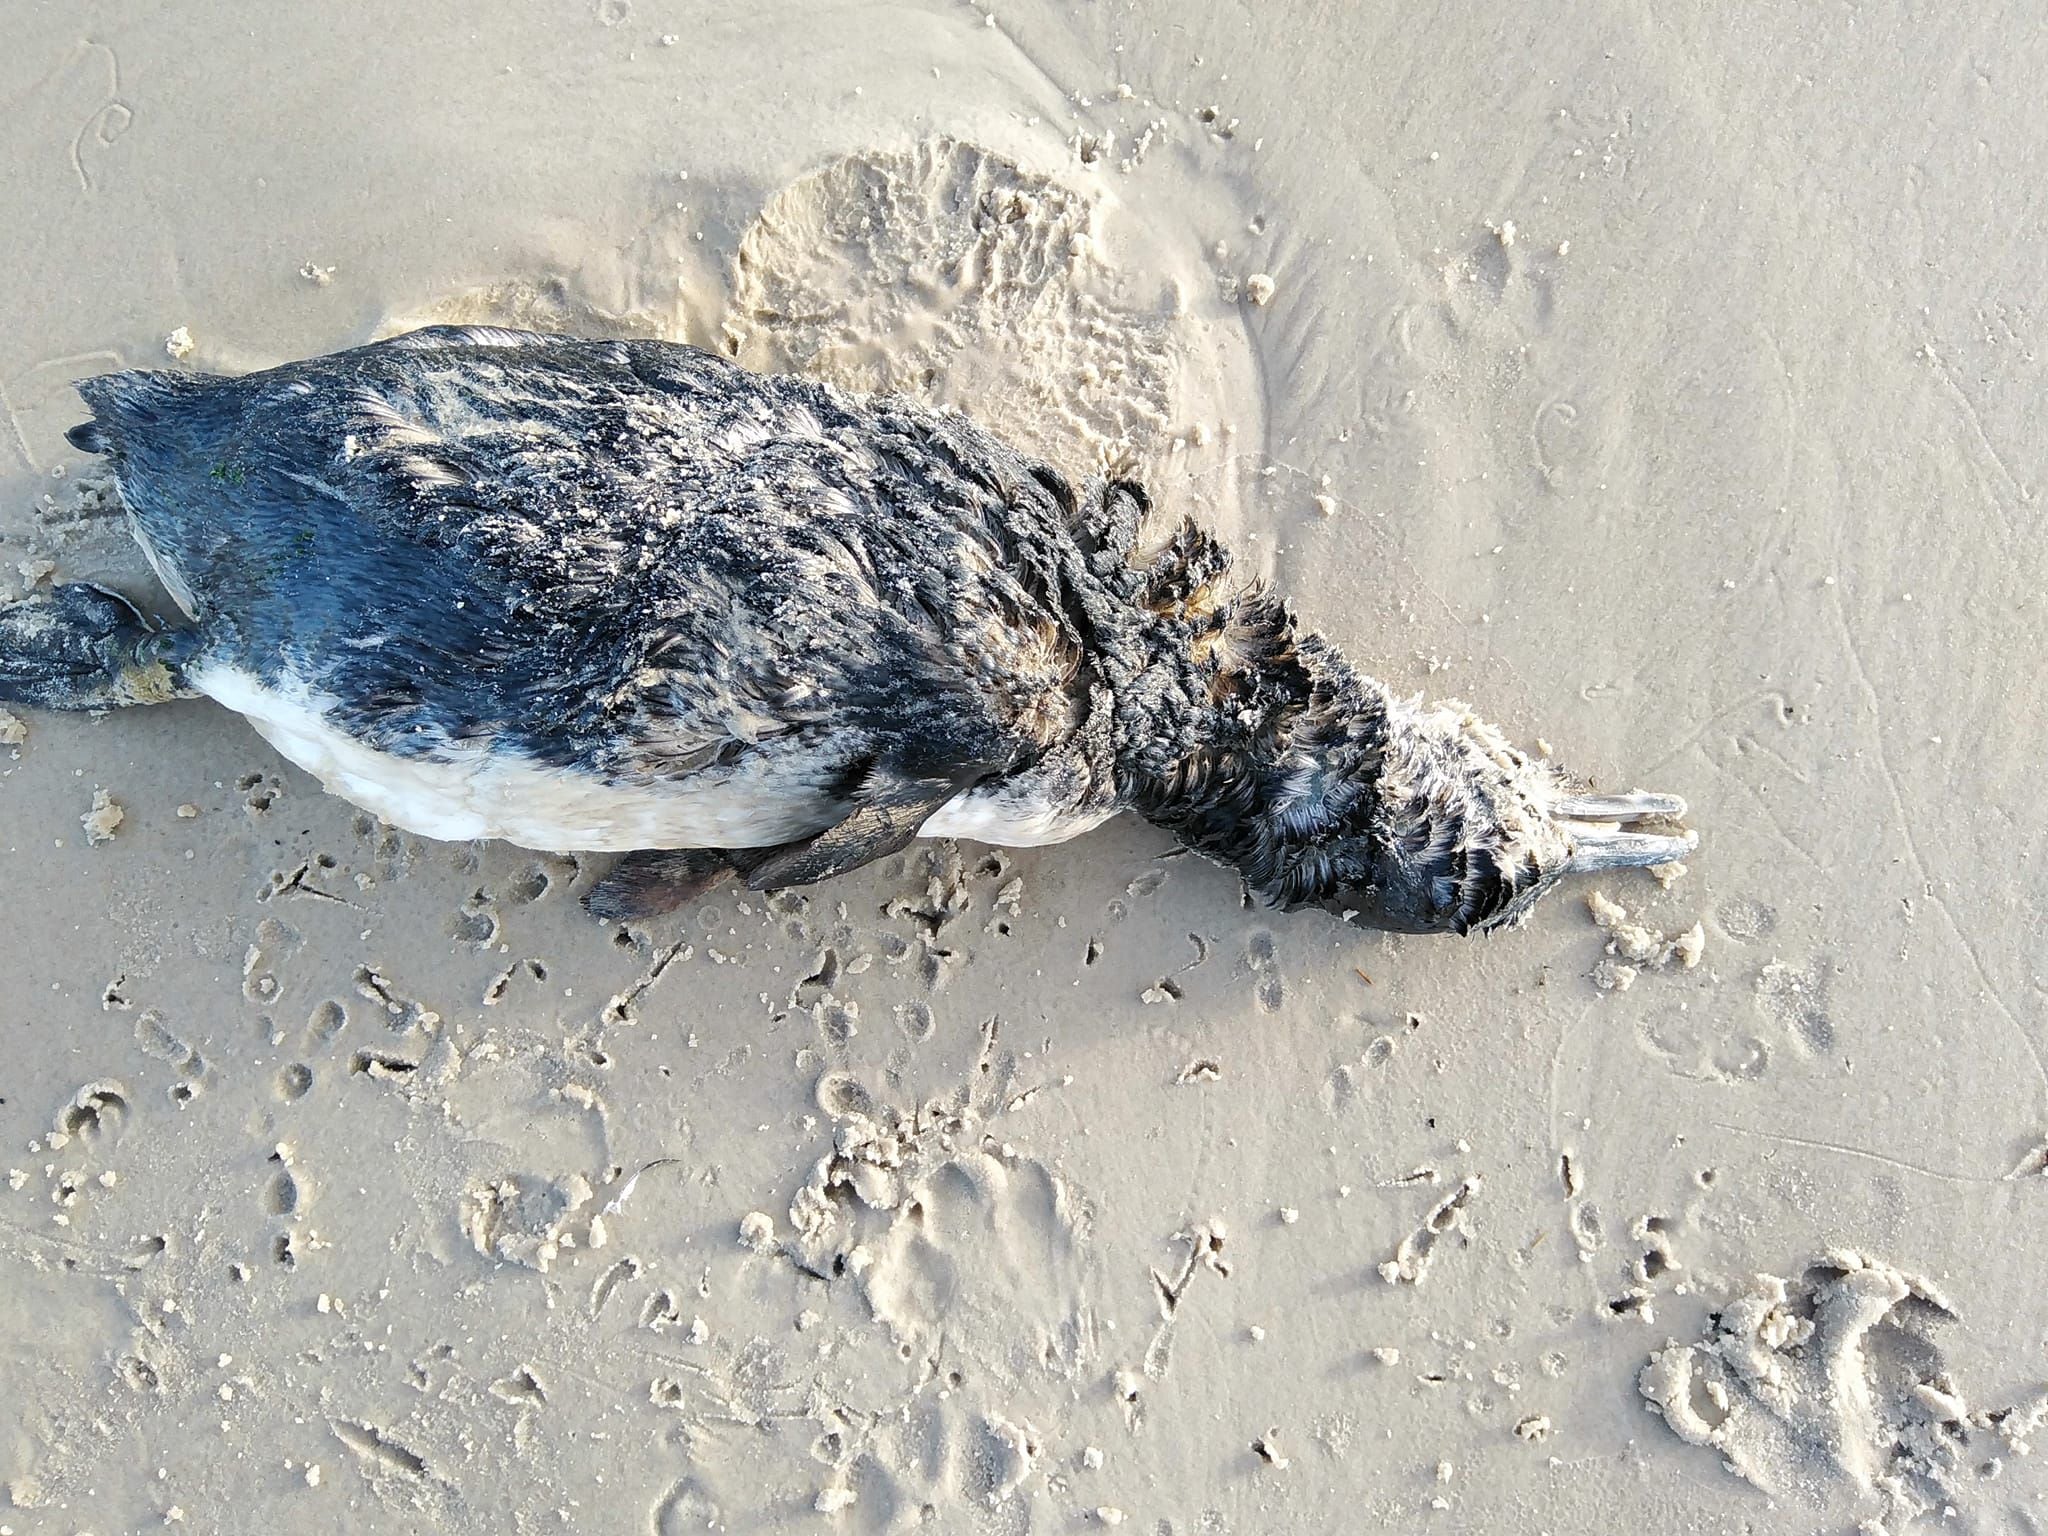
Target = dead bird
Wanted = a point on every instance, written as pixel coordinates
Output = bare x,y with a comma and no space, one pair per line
626,596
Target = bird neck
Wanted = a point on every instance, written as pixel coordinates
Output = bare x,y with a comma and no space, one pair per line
1251,741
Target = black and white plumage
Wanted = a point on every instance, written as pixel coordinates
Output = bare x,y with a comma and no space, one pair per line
627,596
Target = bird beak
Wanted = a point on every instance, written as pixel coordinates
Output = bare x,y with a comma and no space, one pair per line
1595,823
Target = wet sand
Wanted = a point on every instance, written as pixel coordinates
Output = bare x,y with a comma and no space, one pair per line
1668,388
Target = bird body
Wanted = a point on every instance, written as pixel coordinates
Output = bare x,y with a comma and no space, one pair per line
626,596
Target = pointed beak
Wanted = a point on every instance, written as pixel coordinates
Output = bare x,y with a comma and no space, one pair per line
1636,805
1595,824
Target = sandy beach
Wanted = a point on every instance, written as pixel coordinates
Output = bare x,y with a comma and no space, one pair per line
1665,384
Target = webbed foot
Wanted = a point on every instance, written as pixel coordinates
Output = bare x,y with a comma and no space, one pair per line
80,646
656,880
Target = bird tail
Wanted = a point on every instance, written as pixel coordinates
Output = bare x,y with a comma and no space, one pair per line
139,397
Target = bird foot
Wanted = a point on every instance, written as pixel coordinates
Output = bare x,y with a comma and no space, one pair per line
653,881
80,646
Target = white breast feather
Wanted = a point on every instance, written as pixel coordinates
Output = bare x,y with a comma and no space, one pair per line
468,791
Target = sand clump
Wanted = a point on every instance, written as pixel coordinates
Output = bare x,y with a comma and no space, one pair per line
104,819
1634,947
